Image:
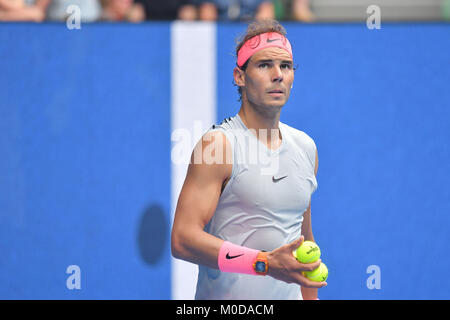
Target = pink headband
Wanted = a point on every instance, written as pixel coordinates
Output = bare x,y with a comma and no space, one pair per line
262,41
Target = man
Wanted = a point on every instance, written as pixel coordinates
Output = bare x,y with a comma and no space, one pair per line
244,10
122,10
235,218
21,10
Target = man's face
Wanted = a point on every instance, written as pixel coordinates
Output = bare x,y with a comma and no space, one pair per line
267,81
121,6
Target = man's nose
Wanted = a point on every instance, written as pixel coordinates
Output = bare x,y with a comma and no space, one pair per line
277,75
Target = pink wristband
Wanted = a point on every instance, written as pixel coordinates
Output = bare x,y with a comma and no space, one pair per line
237,259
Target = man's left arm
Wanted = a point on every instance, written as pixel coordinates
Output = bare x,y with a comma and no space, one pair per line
309,293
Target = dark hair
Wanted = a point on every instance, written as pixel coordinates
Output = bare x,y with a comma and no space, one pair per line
255,28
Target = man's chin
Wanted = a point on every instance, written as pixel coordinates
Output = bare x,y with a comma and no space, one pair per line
276,105
273,109
280,101
270,107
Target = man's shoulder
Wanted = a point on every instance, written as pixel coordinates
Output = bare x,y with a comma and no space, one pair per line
231,127
229,123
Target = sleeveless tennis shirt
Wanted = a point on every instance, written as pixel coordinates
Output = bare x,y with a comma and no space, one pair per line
261,207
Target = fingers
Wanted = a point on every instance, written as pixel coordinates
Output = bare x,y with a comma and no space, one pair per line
296,243
303,266
290,270
309,266
305,282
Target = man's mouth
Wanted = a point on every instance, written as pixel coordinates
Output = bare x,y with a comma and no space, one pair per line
276,92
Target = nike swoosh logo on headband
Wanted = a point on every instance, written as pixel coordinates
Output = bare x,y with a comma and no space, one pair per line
272,40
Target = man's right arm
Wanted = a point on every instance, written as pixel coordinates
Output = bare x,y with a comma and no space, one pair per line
198,201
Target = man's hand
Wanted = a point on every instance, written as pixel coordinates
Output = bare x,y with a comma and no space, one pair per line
283,266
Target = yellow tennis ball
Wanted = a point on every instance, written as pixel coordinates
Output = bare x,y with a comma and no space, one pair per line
308,252
320,274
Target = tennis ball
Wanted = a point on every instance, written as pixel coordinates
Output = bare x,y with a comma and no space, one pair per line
308,252
320,274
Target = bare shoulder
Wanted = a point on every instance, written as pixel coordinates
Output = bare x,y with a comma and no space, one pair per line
316,167
212,156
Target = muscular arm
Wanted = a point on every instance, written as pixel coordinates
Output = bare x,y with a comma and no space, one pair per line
197,203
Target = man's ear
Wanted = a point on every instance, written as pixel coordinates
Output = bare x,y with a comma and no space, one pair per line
239,77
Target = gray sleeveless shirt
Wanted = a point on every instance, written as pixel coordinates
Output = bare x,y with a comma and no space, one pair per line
261,207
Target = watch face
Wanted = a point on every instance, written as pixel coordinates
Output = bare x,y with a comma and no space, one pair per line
260,266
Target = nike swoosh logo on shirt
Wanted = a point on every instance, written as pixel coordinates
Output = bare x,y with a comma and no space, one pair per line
232,257
276,180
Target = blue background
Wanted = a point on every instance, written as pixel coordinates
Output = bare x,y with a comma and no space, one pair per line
85,161
85,155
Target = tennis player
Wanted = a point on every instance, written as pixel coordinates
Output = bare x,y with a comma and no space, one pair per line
245,205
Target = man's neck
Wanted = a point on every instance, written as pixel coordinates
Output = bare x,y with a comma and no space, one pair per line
257,121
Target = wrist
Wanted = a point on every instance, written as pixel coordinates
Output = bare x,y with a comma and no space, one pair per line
236,259
261,264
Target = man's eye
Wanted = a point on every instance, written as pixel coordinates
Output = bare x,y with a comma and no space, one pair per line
286,66
263,65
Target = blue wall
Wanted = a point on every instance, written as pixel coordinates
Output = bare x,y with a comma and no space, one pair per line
85,155
85,161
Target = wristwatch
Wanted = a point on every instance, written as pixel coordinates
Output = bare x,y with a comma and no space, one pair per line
260,265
